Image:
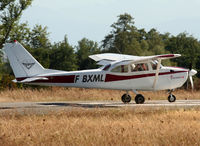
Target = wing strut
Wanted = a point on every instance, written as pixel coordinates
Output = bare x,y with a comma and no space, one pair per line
157,73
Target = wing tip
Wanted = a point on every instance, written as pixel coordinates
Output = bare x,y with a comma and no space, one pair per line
169,56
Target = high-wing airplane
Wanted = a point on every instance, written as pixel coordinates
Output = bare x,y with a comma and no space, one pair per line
120,72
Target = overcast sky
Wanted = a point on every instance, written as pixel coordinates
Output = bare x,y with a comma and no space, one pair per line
92,18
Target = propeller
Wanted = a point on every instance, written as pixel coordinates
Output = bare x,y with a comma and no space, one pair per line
191,73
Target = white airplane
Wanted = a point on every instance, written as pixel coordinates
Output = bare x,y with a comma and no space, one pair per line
120,72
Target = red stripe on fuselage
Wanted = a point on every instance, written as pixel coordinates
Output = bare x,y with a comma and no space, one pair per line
54,79
111,78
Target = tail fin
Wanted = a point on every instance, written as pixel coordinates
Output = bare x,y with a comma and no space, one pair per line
21,61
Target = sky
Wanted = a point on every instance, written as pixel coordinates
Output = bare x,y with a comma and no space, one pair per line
92,18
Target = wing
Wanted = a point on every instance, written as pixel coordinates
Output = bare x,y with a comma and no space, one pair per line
107,58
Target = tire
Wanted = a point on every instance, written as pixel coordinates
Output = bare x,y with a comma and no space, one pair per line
139,99
171,98
126,98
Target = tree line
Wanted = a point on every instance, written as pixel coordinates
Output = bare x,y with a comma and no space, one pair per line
124,38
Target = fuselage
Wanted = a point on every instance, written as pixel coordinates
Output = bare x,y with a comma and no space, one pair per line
169,78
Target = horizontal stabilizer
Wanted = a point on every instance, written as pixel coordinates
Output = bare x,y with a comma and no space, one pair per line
27,80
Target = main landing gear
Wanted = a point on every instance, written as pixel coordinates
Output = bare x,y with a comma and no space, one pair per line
139,98
126,98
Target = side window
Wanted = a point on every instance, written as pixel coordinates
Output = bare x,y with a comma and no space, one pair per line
139,67
124,68
120,69
116,69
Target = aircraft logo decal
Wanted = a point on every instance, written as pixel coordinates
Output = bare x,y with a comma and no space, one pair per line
28,64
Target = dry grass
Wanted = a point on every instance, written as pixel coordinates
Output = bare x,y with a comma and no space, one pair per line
103,127
70,94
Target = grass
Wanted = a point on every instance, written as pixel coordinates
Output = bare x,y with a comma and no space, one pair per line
102,127
75,94
118,126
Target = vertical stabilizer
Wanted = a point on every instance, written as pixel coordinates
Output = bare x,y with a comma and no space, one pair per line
21,61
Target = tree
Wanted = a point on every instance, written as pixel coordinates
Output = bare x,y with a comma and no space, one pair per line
10,11
85,48
39,37
187,46
124,37
35,40
42,55
39,45
21,33
155,42
62,56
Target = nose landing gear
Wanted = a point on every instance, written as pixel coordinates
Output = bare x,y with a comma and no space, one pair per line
171,97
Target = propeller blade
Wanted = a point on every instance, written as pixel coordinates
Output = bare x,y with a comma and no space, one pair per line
192,72
191,81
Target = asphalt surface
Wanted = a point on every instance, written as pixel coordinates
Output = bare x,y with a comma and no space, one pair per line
49,107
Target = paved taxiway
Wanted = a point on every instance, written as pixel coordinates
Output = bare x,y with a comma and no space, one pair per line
47,107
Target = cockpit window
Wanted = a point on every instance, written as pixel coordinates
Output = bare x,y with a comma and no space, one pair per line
139,67
120,69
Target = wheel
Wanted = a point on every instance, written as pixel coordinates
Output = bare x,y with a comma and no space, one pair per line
171,98
126,98
139,99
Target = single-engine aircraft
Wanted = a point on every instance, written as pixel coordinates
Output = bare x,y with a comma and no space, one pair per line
120,72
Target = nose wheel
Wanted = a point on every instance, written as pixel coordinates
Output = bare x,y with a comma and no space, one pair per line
171,98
